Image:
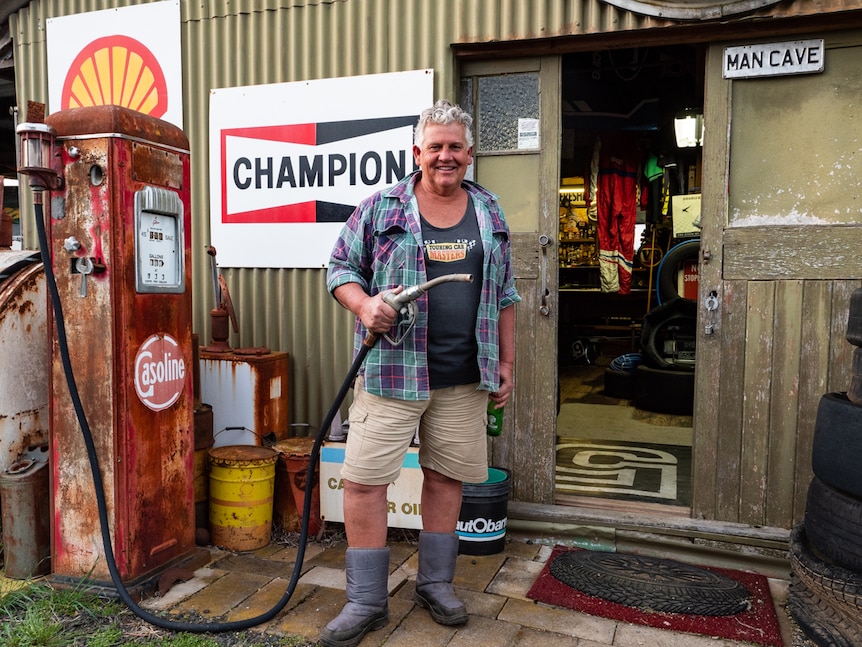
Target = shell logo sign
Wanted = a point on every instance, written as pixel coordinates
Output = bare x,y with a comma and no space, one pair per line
160,372
126,56
116,70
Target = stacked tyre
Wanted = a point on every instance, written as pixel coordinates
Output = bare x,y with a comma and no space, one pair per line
826,550
664,381
619,376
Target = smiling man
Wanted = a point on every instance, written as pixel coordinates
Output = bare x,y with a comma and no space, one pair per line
437,379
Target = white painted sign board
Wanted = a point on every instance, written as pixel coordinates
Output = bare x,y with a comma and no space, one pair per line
774,59
289,162
128,56
403,496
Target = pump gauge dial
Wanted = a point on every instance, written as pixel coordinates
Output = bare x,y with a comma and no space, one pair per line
158,243
157,250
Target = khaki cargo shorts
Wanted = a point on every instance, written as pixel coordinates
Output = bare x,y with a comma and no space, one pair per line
452,438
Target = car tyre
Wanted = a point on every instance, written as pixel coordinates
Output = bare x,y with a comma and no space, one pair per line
854,318
620,384
833,524
836,452
666,281
836,586
664,391
818,620
661,324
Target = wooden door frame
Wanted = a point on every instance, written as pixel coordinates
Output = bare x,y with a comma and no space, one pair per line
527,446
712,346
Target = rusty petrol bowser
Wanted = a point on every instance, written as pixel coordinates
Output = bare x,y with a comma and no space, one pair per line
115,188
116,237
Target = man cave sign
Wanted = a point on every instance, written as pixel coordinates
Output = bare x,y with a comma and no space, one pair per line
690,9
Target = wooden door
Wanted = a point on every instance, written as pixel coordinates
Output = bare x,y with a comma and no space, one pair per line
779,259
517,132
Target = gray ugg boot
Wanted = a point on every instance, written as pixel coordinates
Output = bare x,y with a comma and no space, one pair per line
367,605
437,554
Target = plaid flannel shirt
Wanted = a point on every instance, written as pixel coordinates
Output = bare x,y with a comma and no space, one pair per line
380,247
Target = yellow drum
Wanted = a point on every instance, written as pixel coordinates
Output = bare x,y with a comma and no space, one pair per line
242,482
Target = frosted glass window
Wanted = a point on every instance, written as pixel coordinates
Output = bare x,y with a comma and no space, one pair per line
467,94
505,104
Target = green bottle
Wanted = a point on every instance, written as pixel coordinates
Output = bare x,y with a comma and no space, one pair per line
494,425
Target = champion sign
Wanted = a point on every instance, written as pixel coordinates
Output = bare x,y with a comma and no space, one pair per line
289,162
311,173
160,372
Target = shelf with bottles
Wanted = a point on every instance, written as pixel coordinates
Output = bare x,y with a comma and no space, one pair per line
578,255
578,245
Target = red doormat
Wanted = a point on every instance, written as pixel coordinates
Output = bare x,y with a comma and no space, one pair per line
756,622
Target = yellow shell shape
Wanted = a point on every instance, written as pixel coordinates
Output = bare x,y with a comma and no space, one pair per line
119,72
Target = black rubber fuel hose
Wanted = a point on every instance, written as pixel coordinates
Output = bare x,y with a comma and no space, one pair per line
158,621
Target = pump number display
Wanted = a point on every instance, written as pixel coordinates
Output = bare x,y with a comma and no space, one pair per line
159,241
157,252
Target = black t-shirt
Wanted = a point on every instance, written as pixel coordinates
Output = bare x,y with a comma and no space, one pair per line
453,306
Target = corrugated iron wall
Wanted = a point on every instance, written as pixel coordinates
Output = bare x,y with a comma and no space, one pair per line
229,43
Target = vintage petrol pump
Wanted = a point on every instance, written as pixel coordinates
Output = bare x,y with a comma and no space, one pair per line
118,227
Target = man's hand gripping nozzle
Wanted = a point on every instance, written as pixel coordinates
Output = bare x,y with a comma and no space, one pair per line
403,304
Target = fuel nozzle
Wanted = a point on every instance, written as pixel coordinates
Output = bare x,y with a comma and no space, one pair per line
403,304
408,295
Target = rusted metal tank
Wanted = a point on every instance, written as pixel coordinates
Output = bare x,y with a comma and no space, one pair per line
23,355
247,389
291,475
26,512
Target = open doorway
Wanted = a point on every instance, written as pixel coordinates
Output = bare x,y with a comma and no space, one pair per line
628,234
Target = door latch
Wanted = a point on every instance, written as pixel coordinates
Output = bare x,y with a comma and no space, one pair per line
712,301
544,243
710,320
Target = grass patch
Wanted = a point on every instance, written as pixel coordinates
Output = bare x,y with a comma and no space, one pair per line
38,615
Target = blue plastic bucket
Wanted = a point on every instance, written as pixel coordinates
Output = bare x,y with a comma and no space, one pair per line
482,523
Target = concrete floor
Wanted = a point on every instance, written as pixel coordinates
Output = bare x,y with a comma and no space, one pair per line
494,587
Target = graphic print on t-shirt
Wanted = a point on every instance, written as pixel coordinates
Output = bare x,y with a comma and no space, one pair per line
448,252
